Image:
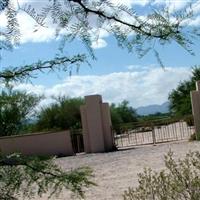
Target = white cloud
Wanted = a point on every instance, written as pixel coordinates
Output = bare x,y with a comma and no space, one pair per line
196,7
32,33
3,20
193,22
129,3
134,67
98,36
100,43
140,88
176,5
37,89
173,5
140,68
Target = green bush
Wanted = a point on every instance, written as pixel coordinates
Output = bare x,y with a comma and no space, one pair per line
180,181
193,137
122,113
198,137
189,120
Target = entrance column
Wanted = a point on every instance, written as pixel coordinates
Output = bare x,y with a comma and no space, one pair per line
96,123
195,100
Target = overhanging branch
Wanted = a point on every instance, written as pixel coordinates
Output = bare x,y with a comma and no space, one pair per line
58,63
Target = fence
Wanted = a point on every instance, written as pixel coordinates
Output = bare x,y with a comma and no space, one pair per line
153,132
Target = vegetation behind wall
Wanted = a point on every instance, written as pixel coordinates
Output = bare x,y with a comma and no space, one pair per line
180,100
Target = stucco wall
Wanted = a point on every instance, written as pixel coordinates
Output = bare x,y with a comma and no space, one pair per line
96,123
55,143
195,100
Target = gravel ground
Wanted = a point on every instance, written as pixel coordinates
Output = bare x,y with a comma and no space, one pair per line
116,171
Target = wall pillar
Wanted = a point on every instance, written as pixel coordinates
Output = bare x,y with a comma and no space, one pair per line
96,123
195,100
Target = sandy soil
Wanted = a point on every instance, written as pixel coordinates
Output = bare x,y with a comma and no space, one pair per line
116,171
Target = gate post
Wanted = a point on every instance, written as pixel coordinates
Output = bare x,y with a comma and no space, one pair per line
195,100
96,124
153,135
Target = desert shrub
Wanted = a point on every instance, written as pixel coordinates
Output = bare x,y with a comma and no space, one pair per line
193,137
189,120
180,180
198,136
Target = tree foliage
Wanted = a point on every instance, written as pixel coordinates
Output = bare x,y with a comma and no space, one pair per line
64,114
122,113
15,108
180,100
26,177
84,20
180,180
26,72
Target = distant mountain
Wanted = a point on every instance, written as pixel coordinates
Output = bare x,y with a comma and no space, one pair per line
152,109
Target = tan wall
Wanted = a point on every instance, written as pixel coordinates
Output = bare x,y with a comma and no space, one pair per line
56,143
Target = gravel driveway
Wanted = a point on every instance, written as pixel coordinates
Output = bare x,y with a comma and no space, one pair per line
116,171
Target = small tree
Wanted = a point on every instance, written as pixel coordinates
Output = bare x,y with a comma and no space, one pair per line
122,113
64,114
181,181
15,108
180,100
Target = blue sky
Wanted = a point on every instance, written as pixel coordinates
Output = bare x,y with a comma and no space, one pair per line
116,74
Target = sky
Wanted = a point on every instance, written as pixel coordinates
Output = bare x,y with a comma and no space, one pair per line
115,74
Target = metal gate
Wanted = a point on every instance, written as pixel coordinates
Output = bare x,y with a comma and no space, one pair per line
77,141
153,132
